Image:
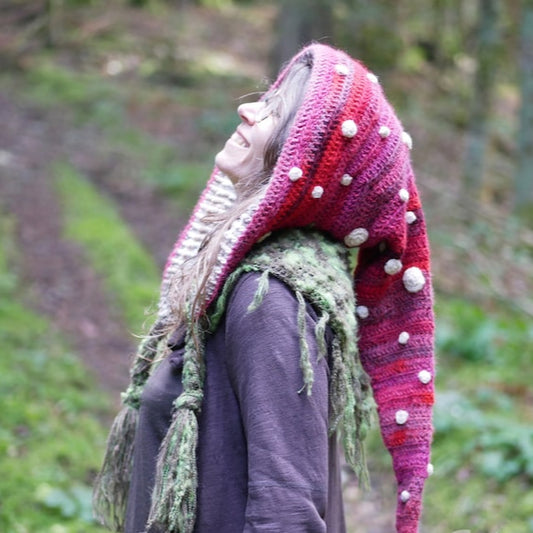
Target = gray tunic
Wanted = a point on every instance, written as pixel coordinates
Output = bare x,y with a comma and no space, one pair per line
265,463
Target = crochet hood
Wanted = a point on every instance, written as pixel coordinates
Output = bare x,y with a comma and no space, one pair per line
345,169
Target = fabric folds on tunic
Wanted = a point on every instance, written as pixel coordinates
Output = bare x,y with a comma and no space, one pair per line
265,462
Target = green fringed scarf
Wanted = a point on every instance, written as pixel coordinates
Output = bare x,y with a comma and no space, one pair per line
317,270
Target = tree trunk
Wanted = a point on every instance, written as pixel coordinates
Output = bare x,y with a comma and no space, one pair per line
299,22
524,174
439,29
483,85
54,9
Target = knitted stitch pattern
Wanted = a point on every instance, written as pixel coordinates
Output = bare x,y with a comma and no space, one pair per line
345,169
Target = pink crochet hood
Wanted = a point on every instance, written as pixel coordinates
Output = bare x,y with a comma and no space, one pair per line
345,169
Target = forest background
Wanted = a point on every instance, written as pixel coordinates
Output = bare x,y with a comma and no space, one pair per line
110,113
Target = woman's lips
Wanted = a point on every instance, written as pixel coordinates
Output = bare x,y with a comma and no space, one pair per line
240,139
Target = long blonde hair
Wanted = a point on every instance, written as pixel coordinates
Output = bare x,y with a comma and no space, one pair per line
188,286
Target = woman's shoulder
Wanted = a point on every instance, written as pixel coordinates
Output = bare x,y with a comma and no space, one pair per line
276,300
250,284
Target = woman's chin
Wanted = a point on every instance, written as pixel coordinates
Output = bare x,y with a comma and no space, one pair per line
224,167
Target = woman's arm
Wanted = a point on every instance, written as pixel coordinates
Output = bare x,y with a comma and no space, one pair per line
286,431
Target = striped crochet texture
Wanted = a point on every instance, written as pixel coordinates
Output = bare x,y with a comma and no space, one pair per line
345,169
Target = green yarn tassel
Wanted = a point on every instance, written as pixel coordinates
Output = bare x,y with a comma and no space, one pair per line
151,348
214,317
262,289
338,387
350,410
174,496
110,494
320,335
305,362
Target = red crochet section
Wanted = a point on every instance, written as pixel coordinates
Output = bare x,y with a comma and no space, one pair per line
357,185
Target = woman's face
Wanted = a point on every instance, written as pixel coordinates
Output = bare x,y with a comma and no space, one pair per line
243,153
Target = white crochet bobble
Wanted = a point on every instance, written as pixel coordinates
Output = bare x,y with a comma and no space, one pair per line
317,192
362,311
341,69
410,217
295,173
401,417
393,266
404,195
372,77
405,496
403,337
407,140
413,279
384,132
431,469
356,237
346,180
424,376
349,128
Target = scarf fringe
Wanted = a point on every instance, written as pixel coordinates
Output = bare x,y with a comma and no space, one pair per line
151,348
350,402
262,289
214,318
174,496
112,484
320,335
351,410
173,506
305,362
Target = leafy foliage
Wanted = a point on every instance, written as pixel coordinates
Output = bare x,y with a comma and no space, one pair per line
469,334
483,448
50,432
487,441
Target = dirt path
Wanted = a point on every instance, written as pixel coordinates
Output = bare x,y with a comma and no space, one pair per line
61,283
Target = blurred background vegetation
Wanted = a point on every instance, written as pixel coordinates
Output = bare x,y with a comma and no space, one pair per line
110,113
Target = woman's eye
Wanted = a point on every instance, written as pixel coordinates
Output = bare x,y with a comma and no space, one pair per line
264,114
270,110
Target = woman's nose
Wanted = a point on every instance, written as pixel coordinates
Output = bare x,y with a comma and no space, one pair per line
249,112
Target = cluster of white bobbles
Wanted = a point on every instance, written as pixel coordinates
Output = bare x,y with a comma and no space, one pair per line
413,281
413,278
349,130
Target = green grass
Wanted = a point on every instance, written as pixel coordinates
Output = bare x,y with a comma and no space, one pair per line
50,435
90,219
483,448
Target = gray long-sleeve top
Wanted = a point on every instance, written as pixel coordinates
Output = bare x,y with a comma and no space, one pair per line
265,463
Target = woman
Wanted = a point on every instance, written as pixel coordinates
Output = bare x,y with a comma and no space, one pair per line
260,359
